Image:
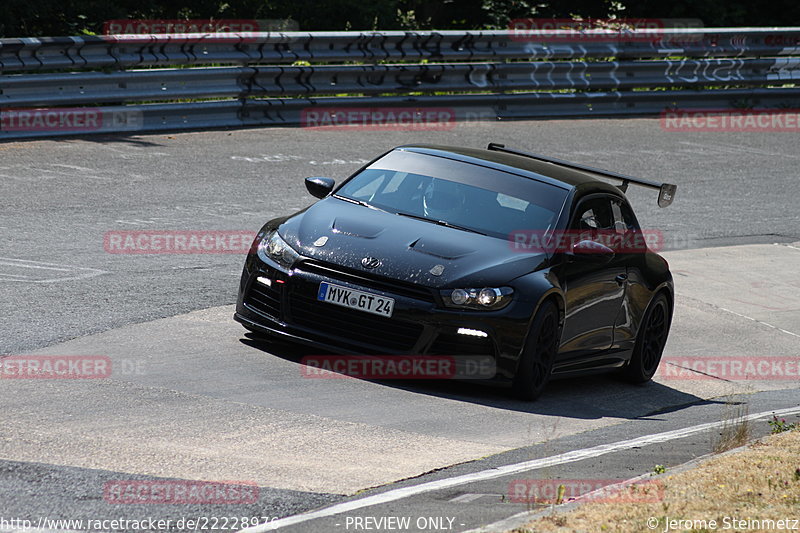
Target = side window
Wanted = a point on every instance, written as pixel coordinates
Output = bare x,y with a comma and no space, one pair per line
624,221
629,237
596,220
593,215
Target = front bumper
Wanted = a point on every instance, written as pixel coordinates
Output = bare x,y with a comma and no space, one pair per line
283,303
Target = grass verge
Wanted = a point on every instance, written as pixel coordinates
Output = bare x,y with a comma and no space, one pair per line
747,490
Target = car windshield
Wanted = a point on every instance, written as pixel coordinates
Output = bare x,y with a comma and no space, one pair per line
458,194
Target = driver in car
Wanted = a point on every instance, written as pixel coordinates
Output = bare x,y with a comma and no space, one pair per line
443,200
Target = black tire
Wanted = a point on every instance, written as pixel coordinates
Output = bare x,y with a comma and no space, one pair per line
538,355
650,341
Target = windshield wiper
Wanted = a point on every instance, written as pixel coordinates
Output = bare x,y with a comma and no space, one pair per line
352,200
440,222
357,202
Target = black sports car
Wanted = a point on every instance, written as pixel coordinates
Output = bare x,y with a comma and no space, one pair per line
434,250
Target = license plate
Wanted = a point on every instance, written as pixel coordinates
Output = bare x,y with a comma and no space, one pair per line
360,300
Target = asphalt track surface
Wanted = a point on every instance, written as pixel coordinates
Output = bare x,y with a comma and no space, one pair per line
59,198
192,398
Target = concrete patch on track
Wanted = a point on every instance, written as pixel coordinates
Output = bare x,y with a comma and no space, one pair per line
753,281
140,430
738,302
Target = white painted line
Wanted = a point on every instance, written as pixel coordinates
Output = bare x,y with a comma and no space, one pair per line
469,497
521,519
759,321
73,167
78,272
15,276
507,470
31,264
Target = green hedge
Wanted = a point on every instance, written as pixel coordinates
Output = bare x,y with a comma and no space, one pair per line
32,18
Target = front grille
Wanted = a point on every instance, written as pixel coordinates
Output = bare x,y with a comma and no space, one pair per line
265,300
456,344
357,326
363,279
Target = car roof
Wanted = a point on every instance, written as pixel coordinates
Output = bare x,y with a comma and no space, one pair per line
524,166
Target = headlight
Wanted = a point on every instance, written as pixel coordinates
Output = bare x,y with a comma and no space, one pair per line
486,299
276,249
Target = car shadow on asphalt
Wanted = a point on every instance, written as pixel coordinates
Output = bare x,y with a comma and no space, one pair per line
586,397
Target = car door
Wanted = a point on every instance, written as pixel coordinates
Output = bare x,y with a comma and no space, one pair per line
630,251
594,291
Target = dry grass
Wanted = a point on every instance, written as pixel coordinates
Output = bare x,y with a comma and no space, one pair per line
760,483
735,430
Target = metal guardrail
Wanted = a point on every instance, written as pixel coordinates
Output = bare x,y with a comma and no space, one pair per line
122,51
211,82
498,75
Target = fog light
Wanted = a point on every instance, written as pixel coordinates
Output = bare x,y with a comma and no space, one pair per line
264,281
472,332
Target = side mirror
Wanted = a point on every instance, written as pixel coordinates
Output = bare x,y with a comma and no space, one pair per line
591,251
320,187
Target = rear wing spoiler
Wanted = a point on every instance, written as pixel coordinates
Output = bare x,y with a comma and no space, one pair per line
666,190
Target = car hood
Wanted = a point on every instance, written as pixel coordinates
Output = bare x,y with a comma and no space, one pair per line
416,251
